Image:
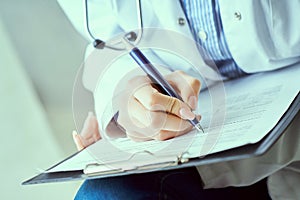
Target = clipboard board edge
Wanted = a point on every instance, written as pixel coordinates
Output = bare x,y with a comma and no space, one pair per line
243,152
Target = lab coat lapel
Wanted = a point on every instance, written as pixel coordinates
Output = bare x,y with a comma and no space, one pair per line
161,14
169,14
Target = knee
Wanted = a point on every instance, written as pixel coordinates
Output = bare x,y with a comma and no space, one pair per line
91,189
113,188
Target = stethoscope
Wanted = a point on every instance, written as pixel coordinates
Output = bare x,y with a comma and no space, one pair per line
135,38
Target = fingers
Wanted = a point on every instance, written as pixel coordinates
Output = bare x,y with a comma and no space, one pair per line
142,124
81,142
90,129
141,117
187,86
77,140
89,134
153,100
145,113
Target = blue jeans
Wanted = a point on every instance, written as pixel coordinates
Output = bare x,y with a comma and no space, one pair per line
174,184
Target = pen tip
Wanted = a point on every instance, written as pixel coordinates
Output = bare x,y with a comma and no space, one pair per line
199,128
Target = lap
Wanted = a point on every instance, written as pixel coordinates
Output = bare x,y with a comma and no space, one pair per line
173,184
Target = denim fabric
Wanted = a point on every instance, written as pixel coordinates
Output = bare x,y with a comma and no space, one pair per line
173,184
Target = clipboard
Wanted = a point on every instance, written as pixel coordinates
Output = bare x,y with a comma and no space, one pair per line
143,161
175,161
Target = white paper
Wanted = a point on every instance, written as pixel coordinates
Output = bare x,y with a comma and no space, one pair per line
253,106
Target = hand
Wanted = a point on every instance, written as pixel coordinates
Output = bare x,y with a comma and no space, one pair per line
89,134
147,114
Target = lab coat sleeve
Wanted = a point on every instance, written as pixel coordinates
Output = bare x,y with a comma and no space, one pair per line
107,91
110,87
103,25
102,20
284,153
285,183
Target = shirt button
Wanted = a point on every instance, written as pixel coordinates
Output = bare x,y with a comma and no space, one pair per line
181,21
238,15
202,35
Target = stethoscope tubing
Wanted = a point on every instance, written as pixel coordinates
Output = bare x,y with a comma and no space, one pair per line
136,37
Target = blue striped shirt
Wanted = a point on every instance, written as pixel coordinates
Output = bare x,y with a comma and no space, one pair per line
206,25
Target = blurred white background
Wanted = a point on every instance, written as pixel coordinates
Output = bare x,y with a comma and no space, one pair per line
40,53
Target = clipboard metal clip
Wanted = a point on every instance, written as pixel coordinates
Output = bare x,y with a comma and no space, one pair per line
143,160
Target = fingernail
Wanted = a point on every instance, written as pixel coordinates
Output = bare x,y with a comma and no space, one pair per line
90,114
186,113
192,102
74,132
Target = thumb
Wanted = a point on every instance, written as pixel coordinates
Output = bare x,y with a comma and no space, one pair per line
77,140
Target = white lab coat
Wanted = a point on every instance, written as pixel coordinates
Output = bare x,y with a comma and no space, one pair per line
261,35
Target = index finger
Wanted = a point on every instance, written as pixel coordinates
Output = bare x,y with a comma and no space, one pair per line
187,86
153,100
